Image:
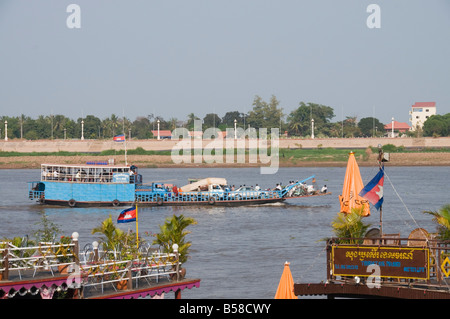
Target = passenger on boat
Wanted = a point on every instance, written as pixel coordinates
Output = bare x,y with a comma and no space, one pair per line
324,189
44,174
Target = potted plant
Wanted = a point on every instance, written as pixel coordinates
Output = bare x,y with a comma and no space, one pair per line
350,226
117,245
48,230
442,219
63,251
116,240
173,232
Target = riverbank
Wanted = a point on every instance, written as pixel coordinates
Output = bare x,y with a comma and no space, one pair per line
159,161
329,152
97,146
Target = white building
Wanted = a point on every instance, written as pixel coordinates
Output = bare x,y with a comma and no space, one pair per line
420,112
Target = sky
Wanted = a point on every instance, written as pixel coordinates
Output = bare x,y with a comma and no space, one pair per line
171,58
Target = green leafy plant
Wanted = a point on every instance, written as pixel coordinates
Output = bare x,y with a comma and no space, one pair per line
442,218
173,232
64,250
48,230
116,240
349,227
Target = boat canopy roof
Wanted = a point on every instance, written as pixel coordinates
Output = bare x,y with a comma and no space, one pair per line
90,172
88,165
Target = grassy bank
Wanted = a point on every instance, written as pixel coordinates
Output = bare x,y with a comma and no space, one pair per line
311,154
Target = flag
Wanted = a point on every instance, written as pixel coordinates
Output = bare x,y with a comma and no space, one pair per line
373,191
127,215
119,138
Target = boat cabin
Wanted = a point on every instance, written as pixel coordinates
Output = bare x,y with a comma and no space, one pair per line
94,183
91,172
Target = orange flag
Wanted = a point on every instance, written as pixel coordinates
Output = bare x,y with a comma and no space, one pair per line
352,186
286,286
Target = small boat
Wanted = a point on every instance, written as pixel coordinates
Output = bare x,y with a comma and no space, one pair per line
106,184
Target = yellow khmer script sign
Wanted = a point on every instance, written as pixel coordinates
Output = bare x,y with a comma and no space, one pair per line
394,262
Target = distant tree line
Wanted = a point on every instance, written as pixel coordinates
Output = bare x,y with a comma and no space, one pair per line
262,115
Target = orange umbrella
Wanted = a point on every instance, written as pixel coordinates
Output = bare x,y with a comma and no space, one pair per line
352,186
286,286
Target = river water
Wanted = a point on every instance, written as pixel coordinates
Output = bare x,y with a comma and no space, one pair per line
239,252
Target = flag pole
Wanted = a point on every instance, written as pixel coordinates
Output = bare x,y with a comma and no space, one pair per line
137,227
124,135
126,163
380,160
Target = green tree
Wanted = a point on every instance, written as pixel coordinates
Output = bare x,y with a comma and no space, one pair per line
299,120
229,117
173,232
111,235
116,241
211,120
437,125
141,128
190,122
48,230
371,126
92,126
442,218
265,115
112,126
172,123
350,127
350,227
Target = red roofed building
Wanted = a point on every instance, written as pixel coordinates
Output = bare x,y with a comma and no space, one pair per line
163,134
420,112
399,127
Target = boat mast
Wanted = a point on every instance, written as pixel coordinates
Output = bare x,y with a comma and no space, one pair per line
124,136
381,158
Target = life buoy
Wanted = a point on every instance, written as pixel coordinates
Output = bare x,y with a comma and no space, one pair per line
211,201
115,203
72,202
159,201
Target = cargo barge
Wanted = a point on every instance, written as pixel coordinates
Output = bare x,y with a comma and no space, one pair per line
105,184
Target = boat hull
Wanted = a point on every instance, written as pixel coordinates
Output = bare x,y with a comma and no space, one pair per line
228,203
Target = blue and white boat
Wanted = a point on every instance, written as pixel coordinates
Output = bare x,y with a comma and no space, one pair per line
104,184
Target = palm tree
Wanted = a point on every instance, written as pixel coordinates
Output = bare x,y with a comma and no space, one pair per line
442,218
114,123
190,122
295,126
111,234
173,232
350,226
172,123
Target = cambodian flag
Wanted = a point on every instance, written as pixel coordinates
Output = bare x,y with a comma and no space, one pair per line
119,138
373,191
127,215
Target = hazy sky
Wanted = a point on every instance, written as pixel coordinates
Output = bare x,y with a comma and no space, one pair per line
175,57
